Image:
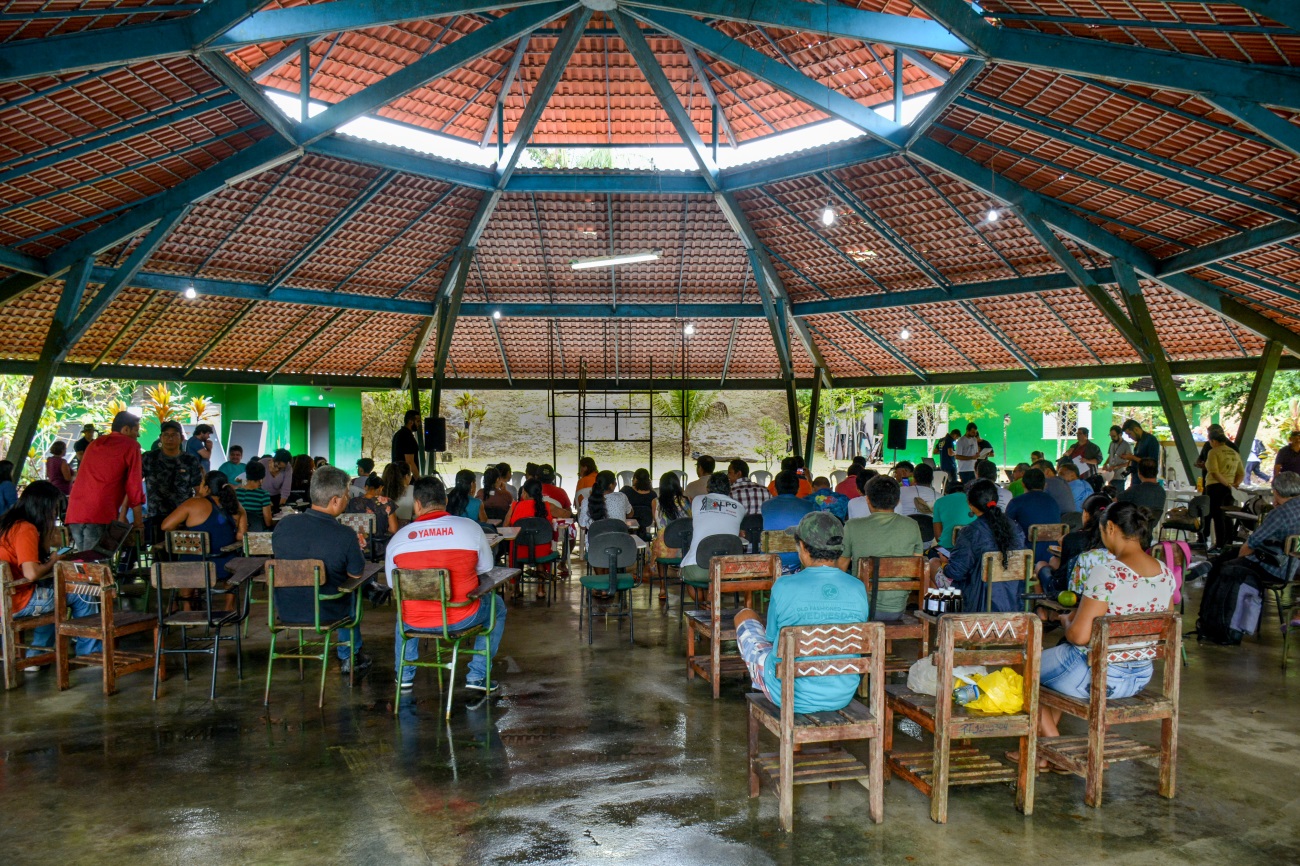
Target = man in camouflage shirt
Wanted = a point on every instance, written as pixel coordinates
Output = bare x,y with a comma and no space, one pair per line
170,476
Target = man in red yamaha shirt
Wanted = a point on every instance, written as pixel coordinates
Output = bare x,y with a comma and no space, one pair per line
435,539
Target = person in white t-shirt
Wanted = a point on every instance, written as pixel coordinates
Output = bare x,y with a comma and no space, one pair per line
857,506
714,513
967,449
918,497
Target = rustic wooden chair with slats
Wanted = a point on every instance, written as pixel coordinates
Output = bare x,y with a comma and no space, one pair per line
59,537
1045,533
822,650
995,640
363,524
200,577
308,574
11,630
109,626
1019,569
779,541
745,574
902,574
1143,636
434,584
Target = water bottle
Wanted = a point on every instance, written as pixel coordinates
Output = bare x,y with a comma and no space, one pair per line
966,693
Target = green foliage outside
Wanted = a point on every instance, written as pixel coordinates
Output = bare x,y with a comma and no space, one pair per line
86,401
1049,398
1227,393
771,442
698,408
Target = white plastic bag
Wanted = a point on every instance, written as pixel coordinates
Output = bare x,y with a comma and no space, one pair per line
923,677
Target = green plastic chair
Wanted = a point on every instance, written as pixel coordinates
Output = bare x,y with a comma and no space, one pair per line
256,544
434,584
614,551
286,573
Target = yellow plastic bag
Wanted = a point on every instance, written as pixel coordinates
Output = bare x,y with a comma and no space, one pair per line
1002,692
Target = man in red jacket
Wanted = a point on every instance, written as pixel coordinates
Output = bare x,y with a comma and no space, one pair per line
108,483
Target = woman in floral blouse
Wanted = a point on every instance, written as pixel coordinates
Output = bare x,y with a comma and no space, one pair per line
1126,582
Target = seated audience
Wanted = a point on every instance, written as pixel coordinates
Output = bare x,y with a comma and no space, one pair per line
1129,581
496,499
507,475
604,503
784,510
750,495
951,511
255,501
397,488
820,594
1079,489
640,495
279,477
1056,487
214,509
530,504
553,493
1288,457
849,486
1017,485
1034,506
830,500
300,486
883,532
1054,569
671,505
919,496
461,499
704,466
24,528
714,513
586,477
365,468
459,546
373,501
991,532
988,471
903,471
1262,558
234,468
317,534
793,463
1148,493
58,471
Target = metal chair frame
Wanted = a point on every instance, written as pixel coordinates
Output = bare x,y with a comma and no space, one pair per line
304,646
433,584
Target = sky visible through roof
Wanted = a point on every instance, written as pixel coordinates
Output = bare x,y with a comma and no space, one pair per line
661,158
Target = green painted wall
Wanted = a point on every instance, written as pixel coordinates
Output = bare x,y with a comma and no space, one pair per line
275,404
1025,434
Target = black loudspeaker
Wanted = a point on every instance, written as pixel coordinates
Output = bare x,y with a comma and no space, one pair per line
897,438
435,434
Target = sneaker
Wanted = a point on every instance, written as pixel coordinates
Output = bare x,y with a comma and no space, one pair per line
478,686
407,685
362,664
32,669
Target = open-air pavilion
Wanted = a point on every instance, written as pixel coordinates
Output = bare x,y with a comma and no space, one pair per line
205,192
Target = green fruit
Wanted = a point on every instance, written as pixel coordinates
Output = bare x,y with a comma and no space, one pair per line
1068,599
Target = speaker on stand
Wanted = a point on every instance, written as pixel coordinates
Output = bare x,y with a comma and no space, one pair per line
896,437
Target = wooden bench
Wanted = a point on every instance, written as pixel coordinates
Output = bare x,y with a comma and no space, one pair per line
898,573
821,650
746,573
96,579
1143,636
994,640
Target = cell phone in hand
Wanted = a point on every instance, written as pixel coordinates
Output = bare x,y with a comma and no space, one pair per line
64,551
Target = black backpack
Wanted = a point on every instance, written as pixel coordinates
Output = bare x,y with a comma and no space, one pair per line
1219,603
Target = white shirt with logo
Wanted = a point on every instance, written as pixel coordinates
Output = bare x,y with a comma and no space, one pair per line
712,514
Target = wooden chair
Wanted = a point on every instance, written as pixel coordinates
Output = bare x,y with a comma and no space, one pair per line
11,629
59,537
96,579
748,573
306,573
995,640
1046,533
256,544
363,524
434,584
779,541
904,574
1189,524
1121,638
193,576
186,542
1019,568
1288,605
811,651
956,530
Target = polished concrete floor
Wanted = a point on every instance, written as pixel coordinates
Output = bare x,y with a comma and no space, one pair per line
591,755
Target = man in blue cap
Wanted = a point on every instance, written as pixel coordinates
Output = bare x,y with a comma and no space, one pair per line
820,594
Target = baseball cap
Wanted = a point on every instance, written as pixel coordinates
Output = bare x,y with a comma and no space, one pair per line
171,425
820,530
88,428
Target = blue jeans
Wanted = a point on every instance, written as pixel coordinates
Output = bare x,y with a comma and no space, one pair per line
42,602
477,673
1065,669
85,536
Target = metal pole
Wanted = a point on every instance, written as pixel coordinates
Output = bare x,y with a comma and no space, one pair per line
1254,411
792,407
813,408
414,386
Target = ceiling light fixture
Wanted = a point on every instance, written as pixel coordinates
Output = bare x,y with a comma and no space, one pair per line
190,292
611,261
828,216
689,329
904,334
992,215
496,314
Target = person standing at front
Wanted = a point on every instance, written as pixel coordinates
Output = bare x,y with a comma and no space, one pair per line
967,449
406,448
171,476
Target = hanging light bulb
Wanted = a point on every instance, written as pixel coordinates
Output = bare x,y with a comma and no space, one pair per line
992,215
904,334
828,216
190,292
496,314
689,329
